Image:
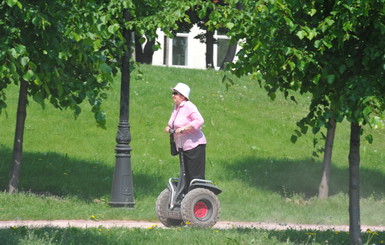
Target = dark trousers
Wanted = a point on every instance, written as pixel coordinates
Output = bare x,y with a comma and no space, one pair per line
195,162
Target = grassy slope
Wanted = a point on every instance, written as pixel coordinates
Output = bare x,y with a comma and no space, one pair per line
264,177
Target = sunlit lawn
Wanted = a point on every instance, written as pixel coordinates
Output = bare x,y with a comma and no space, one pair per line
68,164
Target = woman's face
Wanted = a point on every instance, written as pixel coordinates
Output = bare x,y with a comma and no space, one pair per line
177,97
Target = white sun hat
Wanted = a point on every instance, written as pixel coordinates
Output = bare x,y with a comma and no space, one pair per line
183,89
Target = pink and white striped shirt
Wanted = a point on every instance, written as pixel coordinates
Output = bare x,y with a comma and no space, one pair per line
187,114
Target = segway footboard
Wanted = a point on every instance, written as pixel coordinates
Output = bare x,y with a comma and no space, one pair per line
174,214
206,184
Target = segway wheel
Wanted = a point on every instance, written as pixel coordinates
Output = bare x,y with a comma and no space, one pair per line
162,208
200,208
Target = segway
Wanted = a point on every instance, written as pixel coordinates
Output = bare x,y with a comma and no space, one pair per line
193,204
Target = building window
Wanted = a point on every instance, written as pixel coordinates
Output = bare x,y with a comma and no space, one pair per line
179,51
222,47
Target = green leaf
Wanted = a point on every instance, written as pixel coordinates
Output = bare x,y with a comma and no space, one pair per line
97,44
292,65
14,53
229,25
37,81
342,68
369,138
127,4
311,34
24,61
142,40
113,28
367,111
347,26
330,78
100,117
76,36
301,34
329,21
105,68
32,66
312,12
12,3
21,49
327,43
39,98
28,75
316,79
155,47
317,43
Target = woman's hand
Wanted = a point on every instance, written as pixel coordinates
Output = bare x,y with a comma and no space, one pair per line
167,129
183,129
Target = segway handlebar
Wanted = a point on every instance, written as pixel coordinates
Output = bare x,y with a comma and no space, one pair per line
171,131
179,140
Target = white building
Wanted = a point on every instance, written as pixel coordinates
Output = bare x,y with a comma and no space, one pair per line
186,51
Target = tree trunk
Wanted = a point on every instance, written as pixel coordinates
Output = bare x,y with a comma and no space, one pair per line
209,49
230,54
323,189
354,185
13,184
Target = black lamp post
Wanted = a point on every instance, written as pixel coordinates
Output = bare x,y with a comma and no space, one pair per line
122,194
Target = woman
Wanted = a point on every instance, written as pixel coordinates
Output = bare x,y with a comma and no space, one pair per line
186,122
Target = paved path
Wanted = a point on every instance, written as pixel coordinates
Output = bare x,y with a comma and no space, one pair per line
148,224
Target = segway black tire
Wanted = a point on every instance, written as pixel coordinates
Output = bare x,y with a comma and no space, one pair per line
200,208
162,210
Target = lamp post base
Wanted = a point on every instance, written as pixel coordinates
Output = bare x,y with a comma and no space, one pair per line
122,194
122,205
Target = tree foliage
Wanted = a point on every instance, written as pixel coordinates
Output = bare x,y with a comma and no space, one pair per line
333,50
63,50
68,51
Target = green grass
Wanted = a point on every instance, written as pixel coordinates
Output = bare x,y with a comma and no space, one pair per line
68,164
153,235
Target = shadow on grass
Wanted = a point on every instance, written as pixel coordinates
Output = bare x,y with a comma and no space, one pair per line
49,235
289,177
59,175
